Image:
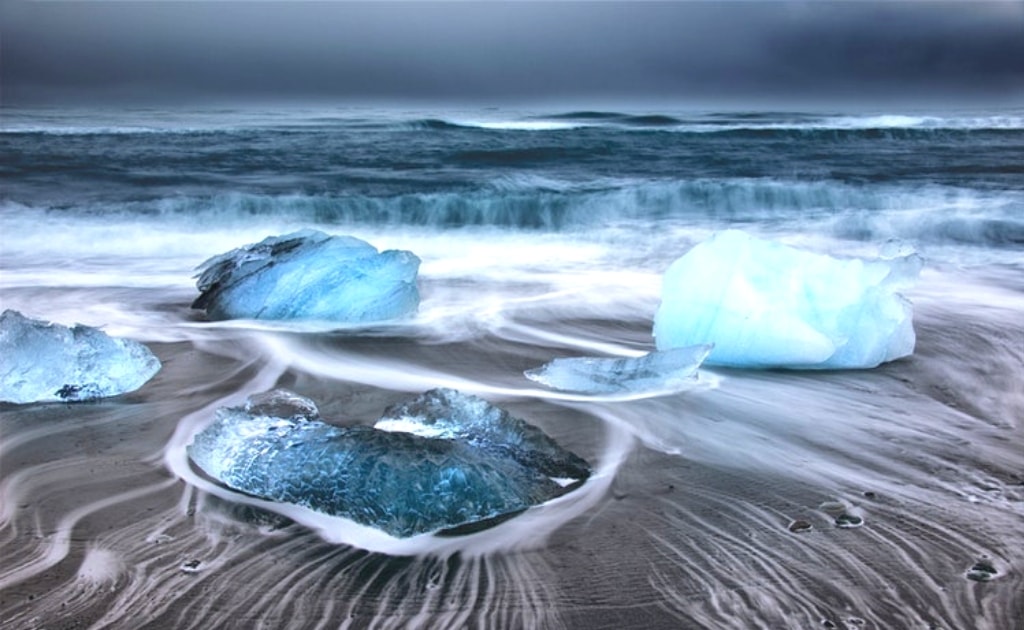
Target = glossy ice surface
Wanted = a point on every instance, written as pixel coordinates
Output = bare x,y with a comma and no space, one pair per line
661,369
477,463
765,304
309,275
41,361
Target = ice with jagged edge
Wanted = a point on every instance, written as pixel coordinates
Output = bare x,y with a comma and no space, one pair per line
309,275
476,463
658,370
450,415
46,362
764,304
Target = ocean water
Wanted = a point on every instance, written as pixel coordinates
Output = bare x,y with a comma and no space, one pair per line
886,498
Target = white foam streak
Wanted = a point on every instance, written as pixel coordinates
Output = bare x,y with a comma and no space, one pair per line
689,124
521,125
95,122
59,541
528,530
403,376
902,121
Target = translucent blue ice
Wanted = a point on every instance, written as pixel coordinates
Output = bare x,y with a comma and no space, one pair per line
450,415
764,304
486,465
662,369
309,275
43,362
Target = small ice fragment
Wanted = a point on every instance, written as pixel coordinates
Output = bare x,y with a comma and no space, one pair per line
764,304
44,362
479,463
661,369
309,275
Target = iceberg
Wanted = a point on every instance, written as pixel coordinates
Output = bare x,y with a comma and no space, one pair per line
476,466
661,369
309,275
45,362
764,304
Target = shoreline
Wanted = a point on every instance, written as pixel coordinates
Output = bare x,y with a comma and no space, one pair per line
693,528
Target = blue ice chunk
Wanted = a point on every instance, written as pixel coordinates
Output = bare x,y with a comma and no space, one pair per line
278,448
44,362
451,415
764,304
661,369
312,276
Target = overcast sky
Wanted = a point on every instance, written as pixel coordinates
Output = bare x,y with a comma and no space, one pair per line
503,52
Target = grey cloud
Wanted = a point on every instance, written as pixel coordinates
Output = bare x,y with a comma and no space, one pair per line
58,51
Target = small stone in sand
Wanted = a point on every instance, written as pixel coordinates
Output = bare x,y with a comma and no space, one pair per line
982,571
798,527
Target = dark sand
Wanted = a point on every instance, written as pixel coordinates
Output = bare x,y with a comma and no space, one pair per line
920,461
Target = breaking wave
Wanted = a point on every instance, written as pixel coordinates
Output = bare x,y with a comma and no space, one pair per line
739,123
206,121
928,213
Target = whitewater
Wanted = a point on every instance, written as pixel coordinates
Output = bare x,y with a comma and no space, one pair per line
882,498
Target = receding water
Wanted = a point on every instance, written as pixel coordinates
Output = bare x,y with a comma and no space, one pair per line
885,498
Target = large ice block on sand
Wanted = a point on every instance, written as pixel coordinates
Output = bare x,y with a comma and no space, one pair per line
43,362
661,369
764,304
309,275
483,465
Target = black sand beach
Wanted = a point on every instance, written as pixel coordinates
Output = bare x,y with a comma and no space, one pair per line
866,499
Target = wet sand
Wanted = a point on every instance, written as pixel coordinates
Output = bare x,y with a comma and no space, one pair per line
890,498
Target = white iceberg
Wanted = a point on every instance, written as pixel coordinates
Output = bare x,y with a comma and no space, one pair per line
312,276
44,362
764,304
656,370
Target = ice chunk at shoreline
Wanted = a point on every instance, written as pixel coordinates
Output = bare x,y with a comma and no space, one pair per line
276,447
660,369
450,415
309,275
764,304
44,362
